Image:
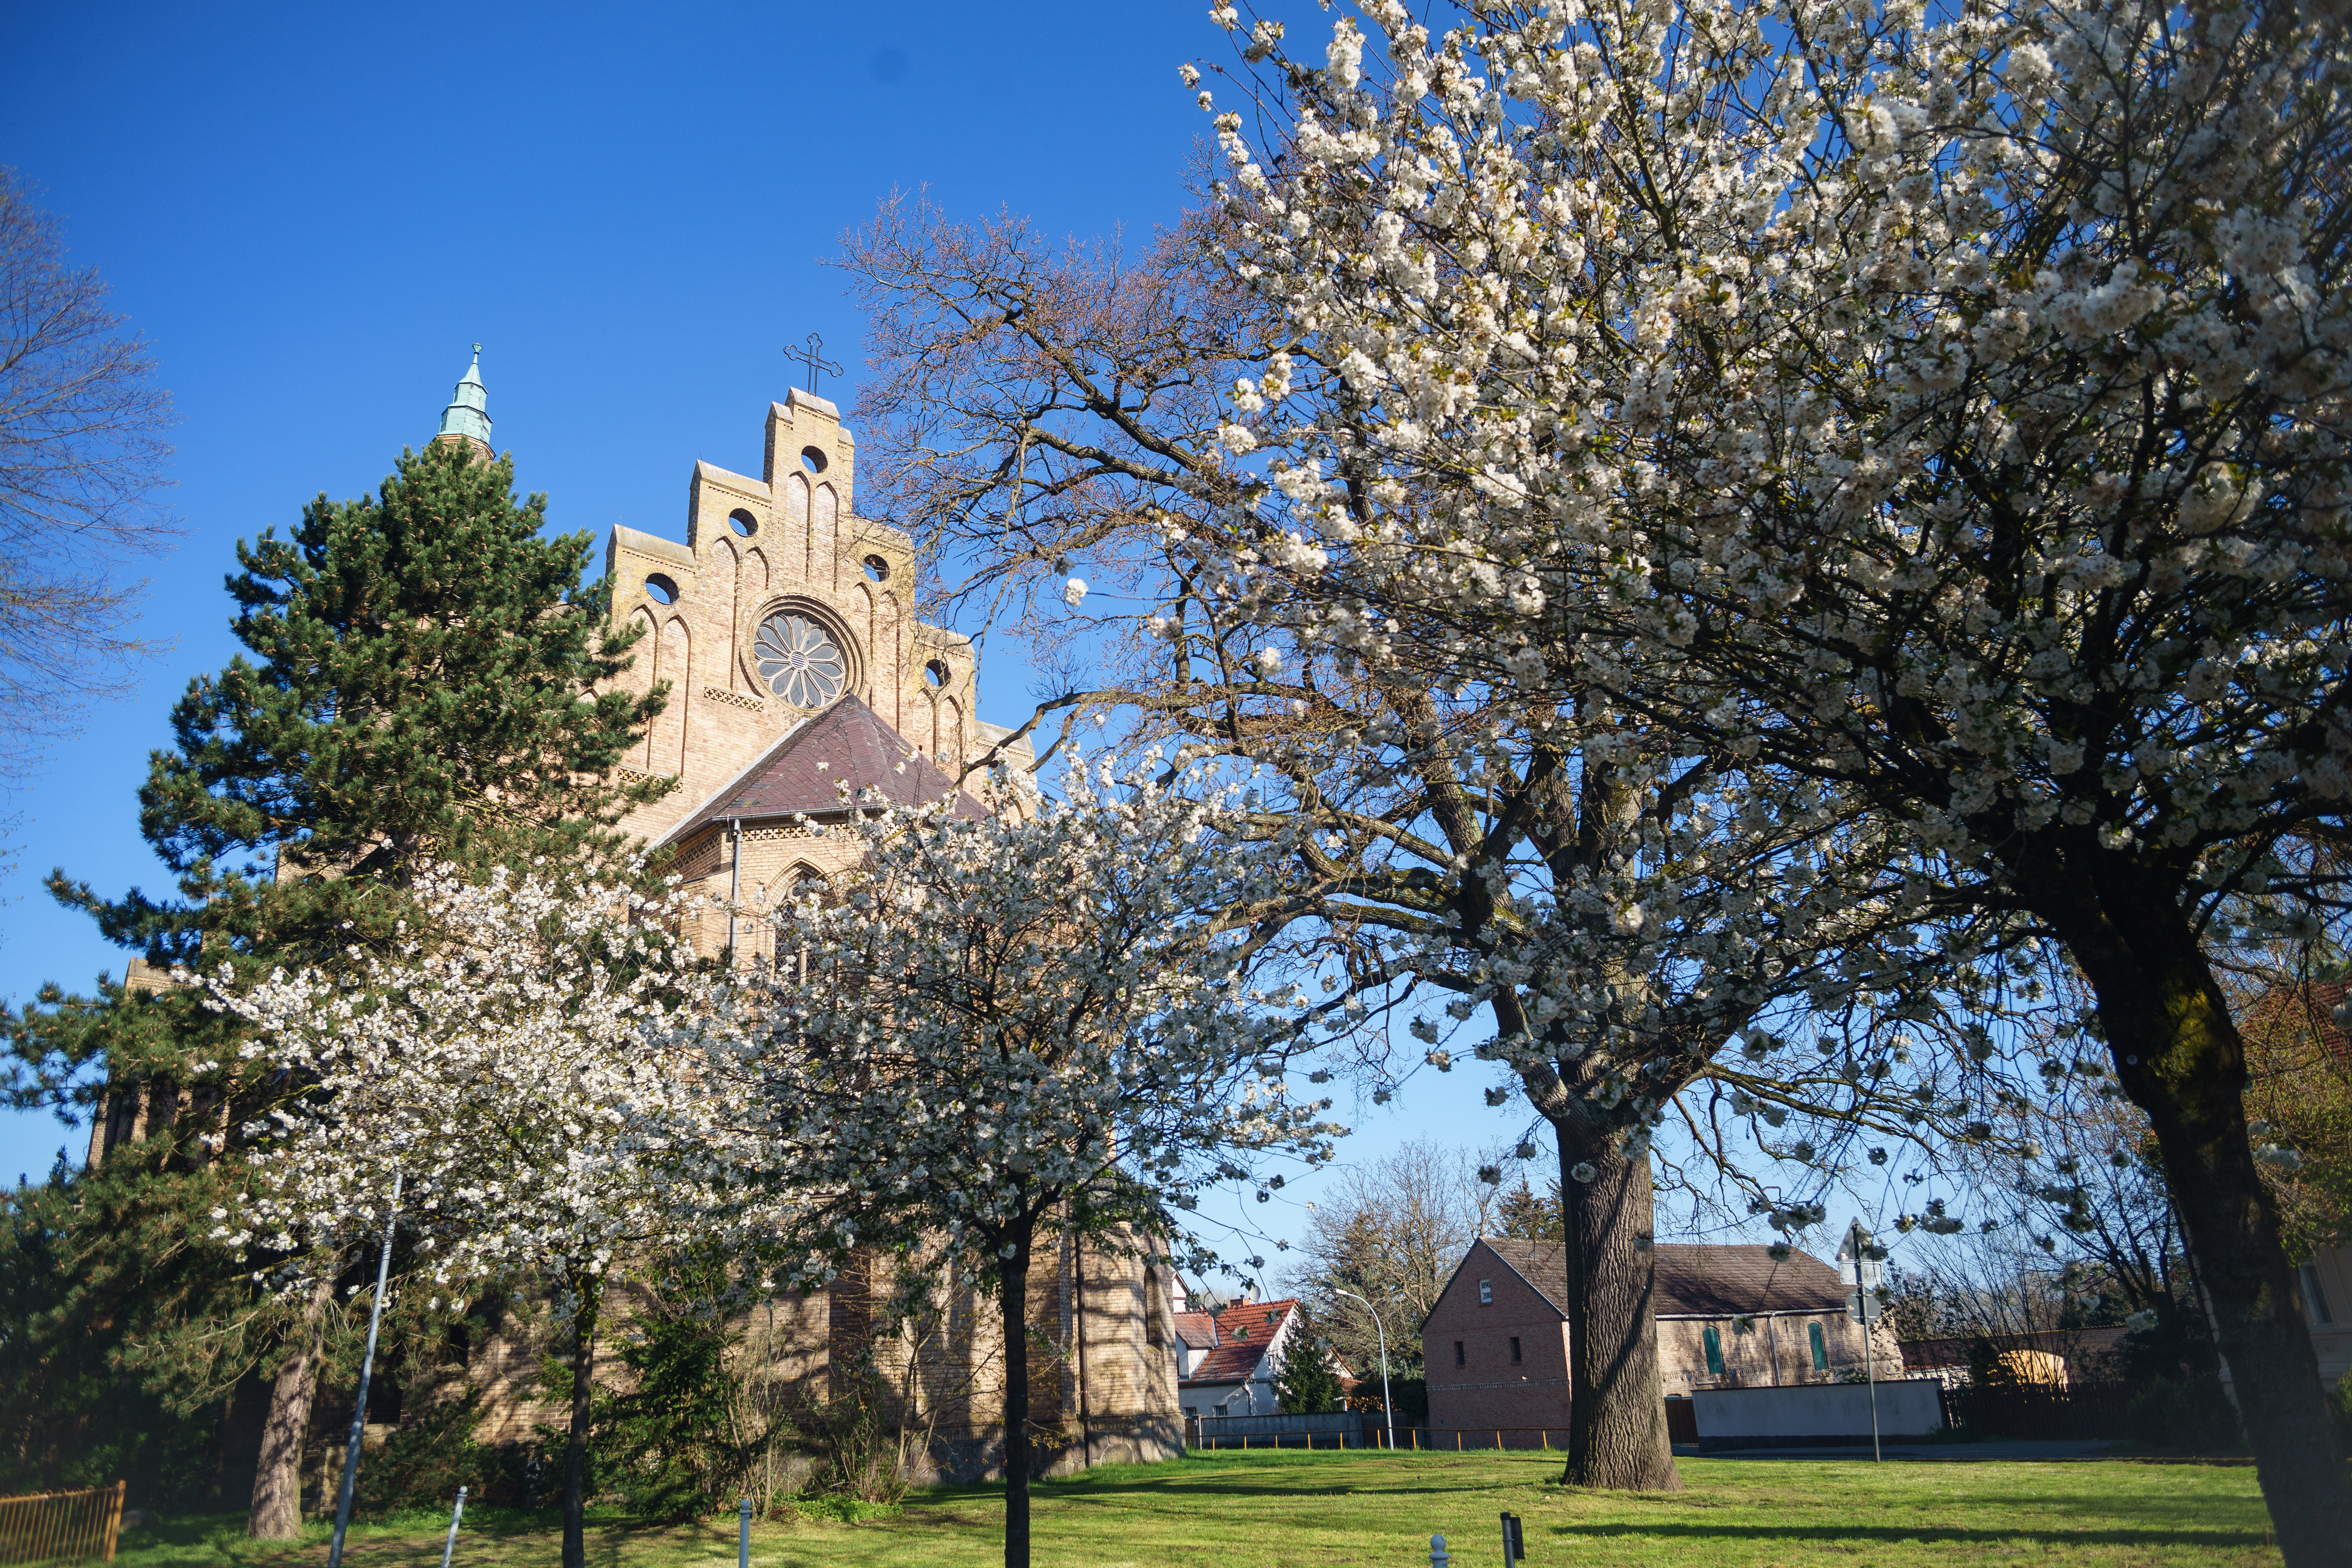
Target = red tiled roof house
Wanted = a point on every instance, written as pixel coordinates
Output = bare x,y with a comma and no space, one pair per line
1229,1358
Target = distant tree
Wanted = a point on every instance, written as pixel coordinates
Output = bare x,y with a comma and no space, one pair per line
2299,1093
1308,1383
1393,1232
81,456
1529,1217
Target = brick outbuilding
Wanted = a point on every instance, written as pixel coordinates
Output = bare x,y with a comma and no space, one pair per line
1495,1347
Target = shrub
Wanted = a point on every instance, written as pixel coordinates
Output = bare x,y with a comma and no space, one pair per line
668,1445
426,1460
2191,1415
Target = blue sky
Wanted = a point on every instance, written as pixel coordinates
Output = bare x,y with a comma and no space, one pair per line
312,211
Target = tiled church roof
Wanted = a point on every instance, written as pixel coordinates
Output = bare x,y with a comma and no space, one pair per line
1695,1281
847,742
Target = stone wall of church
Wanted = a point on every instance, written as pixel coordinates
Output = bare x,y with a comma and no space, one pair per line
1102,1370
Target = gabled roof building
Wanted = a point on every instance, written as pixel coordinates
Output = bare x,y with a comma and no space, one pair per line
1495,1347
1229,1357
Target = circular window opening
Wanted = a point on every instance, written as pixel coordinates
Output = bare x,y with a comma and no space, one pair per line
876,569
937,672
798,659
661,590
812,460
744,522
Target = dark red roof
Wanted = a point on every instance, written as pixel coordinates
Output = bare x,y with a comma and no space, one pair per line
1243,1333
1695,1280
802,773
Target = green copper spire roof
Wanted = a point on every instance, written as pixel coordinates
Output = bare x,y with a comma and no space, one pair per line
469,414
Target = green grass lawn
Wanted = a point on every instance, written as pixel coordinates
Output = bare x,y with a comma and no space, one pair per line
1274,1510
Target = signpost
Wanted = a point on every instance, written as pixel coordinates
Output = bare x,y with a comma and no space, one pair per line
1863,1275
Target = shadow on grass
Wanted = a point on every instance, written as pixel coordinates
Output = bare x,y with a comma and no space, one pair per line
1891,1534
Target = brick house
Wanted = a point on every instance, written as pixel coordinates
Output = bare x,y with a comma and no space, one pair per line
1495,1347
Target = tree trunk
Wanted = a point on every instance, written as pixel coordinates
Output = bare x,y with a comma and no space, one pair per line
2179,1055
278,1479
1012,1283
1617,1415
589,1288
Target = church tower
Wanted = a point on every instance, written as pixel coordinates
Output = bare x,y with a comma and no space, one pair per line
467,421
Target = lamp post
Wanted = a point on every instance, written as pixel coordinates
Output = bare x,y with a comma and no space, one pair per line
367,1365
1388,1408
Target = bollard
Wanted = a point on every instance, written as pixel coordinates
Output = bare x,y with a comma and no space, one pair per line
456,1514
743,1536
1437,1558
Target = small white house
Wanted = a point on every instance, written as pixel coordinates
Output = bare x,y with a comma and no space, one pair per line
1228,1357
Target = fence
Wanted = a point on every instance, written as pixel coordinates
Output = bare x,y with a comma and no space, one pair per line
1361,1431
61,1527
2089,1411
1333,1429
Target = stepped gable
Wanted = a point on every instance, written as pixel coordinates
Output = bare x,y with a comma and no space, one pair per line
1695,1280
802,773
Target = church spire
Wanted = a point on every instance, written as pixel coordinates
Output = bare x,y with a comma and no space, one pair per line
466,420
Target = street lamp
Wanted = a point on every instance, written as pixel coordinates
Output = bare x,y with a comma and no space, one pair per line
1388,1407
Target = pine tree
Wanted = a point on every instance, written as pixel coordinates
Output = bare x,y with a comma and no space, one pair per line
422,688
1308,1383
1532,1218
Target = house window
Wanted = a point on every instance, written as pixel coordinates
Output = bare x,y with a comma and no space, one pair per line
1485,1292
1821,1347
1515,1350
2316,1296
1714,1343
1461,1357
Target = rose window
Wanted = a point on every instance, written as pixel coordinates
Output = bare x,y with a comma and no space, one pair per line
798,659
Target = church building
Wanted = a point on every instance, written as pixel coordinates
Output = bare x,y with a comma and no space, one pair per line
800,678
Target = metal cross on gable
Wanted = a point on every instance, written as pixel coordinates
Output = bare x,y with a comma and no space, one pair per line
814,357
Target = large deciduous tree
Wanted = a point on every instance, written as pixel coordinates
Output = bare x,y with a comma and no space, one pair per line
1950,408
81,456
1612,908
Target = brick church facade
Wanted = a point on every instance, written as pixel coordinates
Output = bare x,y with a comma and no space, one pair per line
800,677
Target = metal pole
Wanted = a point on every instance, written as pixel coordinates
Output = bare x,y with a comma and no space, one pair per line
1388,1407
1869,1351
367,1365
743,1535
456,1514
734,885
